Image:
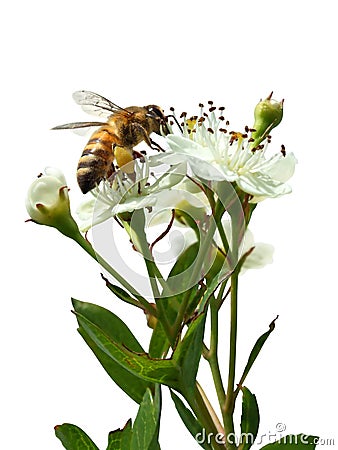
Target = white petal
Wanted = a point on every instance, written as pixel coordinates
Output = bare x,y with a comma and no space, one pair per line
133,203
45,190
186,146
173,176
55,172
260,257
207,171
262,185
92,212
86,208
168,158
284,168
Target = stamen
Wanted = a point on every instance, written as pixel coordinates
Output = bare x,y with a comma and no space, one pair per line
165,232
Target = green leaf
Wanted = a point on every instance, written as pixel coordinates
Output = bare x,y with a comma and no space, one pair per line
116,329
121,293
109,323
159,344
293,442
146,424
157,370
212,286
120,439
132,385
189,420
188,353
255,352
180,274
249,419
73,438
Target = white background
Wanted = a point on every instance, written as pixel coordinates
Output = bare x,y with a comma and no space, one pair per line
170,53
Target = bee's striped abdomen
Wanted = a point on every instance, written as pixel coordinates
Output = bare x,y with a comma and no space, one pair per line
97,158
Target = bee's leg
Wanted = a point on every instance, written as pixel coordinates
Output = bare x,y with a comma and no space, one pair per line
111,174
139,155
138,128
155,146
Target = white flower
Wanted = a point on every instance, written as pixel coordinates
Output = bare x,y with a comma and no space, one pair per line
127,193
185,197
261,255
215,154
194,204
47,202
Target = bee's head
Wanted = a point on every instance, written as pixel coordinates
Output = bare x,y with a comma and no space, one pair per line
157,119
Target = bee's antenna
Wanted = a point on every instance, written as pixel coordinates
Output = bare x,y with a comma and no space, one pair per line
175,119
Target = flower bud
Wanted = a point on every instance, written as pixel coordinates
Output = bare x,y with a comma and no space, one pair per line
151,320
47,202
268,114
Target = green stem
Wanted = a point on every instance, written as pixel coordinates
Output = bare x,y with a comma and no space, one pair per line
212,355
86,245
203,415
195,276
152,277
162,316
211,410
229,405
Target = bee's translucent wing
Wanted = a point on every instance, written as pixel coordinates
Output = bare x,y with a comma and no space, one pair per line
96,104
75,125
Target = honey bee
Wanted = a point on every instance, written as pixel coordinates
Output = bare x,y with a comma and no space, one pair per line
115,138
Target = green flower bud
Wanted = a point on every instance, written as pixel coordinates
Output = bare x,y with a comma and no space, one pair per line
268,114
151,320
47,202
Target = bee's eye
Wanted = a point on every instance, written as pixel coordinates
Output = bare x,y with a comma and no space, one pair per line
155,112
